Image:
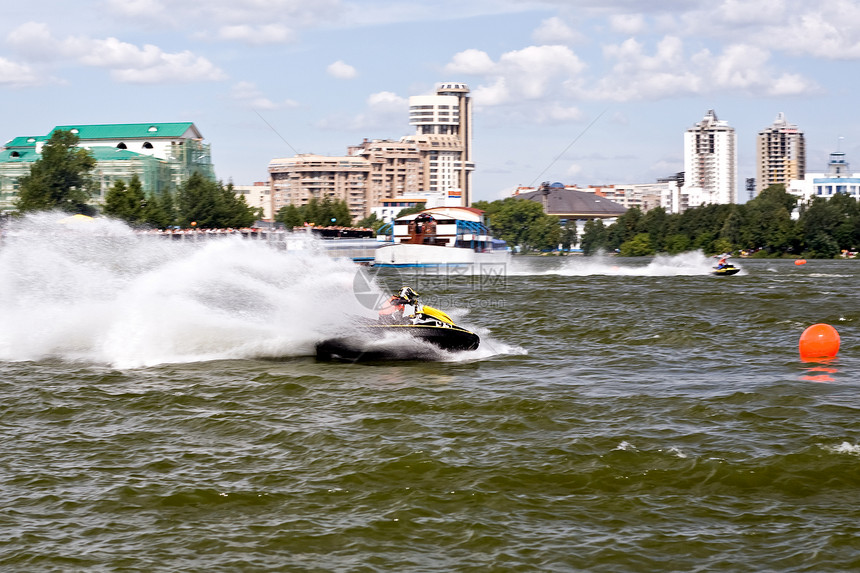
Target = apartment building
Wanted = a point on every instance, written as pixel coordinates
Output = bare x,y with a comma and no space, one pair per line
710,162
435,159
780,154
295,180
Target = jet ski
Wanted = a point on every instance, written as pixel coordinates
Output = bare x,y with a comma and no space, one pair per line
726,271
723,267
419,335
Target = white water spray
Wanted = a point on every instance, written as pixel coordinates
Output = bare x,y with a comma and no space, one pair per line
685,264
98,292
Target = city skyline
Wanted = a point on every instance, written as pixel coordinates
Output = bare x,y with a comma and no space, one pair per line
579,92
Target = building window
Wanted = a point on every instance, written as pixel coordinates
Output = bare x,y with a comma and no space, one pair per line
121,145
147,145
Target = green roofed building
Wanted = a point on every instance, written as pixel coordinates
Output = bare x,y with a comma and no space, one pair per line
162,155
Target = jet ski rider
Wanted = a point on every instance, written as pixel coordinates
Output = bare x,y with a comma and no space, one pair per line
400,307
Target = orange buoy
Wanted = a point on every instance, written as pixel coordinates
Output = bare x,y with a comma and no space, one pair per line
819,341
800,262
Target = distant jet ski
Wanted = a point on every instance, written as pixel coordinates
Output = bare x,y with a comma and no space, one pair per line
399,334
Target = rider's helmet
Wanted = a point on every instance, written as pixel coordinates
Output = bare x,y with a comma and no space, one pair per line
409,295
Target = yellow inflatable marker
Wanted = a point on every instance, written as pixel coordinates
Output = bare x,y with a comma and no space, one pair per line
819,341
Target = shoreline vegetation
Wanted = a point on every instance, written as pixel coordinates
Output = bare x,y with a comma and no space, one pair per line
773,225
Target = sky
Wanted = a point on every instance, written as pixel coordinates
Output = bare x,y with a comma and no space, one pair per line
585,92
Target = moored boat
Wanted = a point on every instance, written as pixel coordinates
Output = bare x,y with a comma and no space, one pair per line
441,236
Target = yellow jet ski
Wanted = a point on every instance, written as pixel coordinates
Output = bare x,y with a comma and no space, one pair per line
394,336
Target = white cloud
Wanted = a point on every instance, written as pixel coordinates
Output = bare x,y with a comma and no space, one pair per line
628,24
744,12
573,170
127,62
387,101
637,75
249,95
746,68
740,67
832,31
231,20
33,41
559,113
472,62
137,8
384,110
827,29
667,73
263,34
531,73
555,31
16,75
183,67
341,70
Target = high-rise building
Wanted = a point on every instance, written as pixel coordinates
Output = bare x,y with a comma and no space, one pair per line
710,162
295,180
444,136
780,154
436,160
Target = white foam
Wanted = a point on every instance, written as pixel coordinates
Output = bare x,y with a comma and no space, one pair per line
685,264
100,292
844,448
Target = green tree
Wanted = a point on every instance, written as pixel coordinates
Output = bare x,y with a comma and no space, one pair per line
208,204
732,230
821,246
371,222
568,234
677,243
522,223
847,231
638,246
311,211
290,216
656,223
59,179
126,202
625,228
235,211
544,234
594,237
324,213
409,210
768,221
159,210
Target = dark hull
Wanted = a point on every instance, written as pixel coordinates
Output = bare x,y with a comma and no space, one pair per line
727,271
397,342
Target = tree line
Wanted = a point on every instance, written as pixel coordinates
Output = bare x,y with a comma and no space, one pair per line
323,213
763,226
524,225
60,179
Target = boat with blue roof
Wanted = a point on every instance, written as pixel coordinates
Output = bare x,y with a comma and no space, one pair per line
440,236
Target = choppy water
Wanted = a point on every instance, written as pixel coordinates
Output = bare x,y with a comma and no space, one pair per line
160,412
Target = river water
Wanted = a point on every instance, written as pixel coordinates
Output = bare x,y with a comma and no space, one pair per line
162,411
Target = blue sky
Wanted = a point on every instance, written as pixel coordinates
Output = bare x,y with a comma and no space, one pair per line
590,92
